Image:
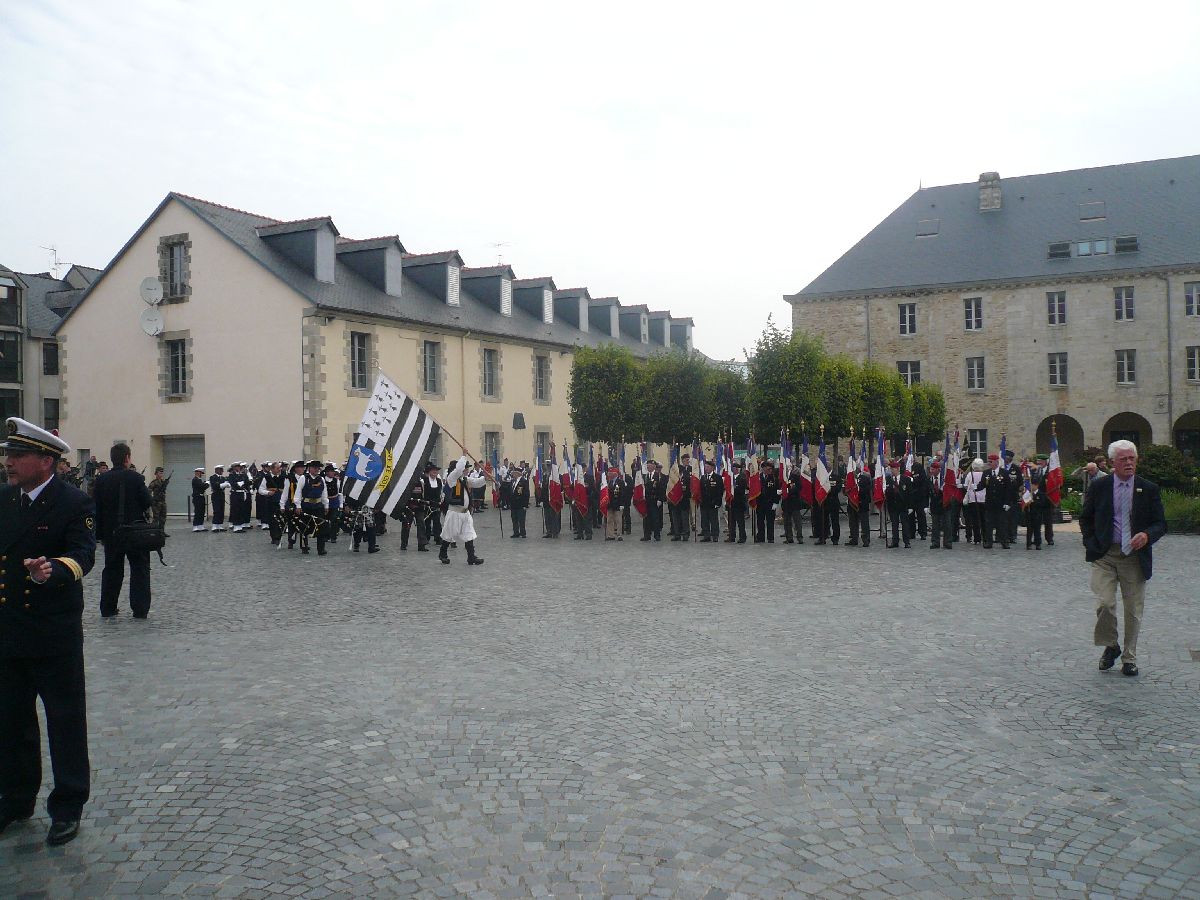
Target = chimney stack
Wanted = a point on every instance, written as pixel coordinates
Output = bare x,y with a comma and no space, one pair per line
989,191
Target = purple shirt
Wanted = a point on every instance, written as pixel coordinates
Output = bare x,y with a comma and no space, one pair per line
1122,504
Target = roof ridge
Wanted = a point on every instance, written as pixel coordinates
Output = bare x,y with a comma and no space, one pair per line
1124,165
244,212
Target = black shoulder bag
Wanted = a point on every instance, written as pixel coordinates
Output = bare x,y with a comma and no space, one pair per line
138,535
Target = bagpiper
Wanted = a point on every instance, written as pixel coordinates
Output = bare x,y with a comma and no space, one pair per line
314,504
271,486
333,487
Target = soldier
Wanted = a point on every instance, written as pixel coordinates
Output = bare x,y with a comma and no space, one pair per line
158,497
792,506
261,511
920,525
738,504
996,503
1015,480
898,495
681,522
240,487
456,506
712,493
199,486
654,490
518,500
764,513
219,485
941,511
859,518
1039,475
831,510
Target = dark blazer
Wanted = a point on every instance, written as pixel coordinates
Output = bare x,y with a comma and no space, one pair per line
1095,521
44,619
108,492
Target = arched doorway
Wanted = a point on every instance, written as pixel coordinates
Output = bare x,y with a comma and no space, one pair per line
1128,426
1070,437
1187,434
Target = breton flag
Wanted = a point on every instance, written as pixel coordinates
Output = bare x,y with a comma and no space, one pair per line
395,437
1054,474
880,468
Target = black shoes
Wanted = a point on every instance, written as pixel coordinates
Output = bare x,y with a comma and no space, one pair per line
475,561
1129,669
373,550
7,819
62,832
1109,658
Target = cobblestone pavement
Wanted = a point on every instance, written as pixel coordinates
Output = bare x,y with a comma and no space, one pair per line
631,719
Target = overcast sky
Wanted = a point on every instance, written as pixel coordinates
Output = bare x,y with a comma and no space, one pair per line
700,158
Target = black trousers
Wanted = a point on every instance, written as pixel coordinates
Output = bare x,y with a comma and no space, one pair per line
832,514
942,525
902,526
1014,521
764,524
113,577
793,524
239,509
859,521
1033,528
737,523
197,510
995,526
58,680
919,524
369,534
218,503
553,521
710,526
681,522
518,516
652,521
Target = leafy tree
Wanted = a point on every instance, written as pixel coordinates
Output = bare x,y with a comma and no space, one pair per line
784,382
841,381
928,410
730,403
876,386
675,399
603,381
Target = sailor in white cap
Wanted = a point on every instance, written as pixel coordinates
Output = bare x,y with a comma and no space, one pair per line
239,498
199,486
219,484
47,545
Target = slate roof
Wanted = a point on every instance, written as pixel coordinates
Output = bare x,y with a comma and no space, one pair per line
1158,201
354,294
488,271
48,299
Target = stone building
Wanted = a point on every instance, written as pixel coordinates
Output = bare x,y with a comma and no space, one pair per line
31,306
269,334
1070,297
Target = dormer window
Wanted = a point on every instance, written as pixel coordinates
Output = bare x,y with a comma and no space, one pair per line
548,307
645,329
505,297
452,285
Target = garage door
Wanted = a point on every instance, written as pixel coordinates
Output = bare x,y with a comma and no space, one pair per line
181,455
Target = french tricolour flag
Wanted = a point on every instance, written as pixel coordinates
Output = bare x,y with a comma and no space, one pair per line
1054,473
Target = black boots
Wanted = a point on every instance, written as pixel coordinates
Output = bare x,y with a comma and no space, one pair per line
472,559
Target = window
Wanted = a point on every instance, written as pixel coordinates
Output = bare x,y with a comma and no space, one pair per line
10,304
1127,244
1058,369
1126,367
50,413
10,402
1193,363
1091,210
973,311
452,285
505,297
491,446
548,307
910,371
977,443
1056,307
431,367
975,373
1123,303
49,358
360,356
1098,247
541,443
491,368
176,266
1191,298
908,318
177,373
541,379
1059,250
10,356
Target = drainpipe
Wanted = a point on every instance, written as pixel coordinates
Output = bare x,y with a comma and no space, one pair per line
1170,371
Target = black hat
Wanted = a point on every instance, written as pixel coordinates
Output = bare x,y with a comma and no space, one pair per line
313,462
430,465
330,467
737,463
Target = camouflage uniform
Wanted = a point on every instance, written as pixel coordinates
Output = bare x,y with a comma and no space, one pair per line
158,499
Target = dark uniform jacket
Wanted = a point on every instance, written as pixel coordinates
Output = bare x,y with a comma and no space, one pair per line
107,493
898,492
833,501
741,492
519,499
44,619
618,494
768,493
655,488
998,489
712,490
199,486
866,489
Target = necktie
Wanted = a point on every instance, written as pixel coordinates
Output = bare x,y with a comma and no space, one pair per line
1123,493
25,503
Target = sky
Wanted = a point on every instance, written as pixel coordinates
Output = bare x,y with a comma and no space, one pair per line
702,158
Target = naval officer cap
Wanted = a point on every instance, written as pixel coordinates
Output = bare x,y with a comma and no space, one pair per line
25,437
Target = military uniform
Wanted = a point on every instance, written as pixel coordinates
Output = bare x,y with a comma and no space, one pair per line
764,513
941,511
240,487
712,492
518,504
158,499
997,502
218,483
654,488
199,486
41,640
793,508
739,505
859,519
681,512
899,497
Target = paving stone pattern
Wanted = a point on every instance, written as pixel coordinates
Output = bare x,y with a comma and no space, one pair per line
610,719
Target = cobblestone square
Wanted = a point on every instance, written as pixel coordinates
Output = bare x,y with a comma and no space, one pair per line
605,719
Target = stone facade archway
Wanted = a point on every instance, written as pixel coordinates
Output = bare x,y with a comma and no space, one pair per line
1070,437
1128,426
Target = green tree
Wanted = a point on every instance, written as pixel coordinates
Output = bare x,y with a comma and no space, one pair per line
928,410
674,399
785,382
876,387
603,381
841,381
730,403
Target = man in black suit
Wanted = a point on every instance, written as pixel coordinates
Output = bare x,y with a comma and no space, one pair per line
47,545
1122,517
764,512
712,494
518,500
738,504
110,515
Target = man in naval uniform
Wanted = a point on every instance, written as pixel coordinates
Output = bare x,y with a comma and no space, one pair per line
219,484
47,545
240,487
199,486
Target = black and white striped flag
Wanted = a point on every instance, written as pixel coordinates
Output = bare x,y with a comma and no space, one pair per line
395,439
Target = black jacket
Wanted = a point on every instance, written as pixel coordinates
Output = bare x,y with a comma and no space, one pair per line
44,619
1146,514
519,496
107,493
768,491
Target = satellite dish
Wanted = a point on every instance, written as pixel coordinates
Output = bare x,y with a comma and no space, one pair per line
151,290
151,321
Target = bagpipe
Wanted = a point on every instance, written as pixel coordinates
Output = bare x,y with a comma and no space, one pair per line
298,522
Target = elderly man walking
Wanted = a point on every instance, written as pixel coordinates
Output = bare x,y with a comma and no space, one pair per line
1122,517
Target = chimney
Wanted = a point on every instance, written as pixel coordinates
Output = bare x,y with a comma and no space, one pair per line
989,191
